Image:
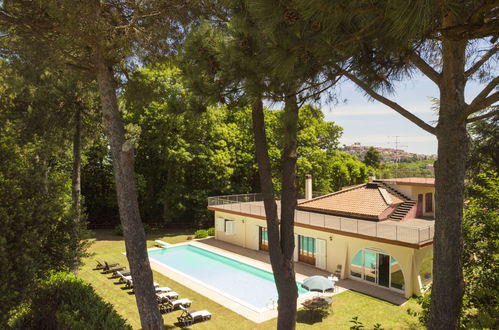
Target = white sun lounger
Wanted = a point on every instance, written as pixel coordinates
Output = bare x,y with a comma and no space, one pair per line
163,289
129,282
168,295
181,302
188,318
167,306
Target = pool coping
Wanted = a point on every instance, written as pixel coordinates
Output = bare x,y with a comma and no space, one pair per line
211,287
231,303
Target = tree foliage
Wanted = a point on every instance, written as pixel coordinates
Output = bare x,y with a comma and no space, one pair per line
480,259
184,156
38,231
372,158
64,301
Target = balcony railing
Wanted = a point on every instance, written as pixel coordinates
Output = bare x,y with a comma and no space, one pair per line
232,199
252,204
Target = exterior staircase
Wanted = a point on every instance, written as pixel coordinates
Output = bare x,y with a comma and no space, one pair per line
393,191
402,210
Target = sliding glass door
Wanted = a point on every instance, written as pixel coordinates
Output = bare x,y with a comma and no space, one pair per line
378,268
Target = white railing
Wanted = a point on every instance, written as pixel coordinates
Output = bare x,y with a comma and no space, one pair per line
231,199
252,204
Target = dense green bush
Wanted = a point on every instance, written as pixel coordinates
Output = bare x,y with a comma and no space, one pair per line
211,231
64,301
201,233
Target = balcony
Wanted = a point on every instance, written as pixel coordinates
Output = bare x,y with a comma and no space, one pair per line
412,231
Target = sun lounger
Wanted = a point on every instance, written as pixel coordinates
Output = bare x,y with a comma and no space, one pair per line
113,269
161,243
188,318
163,289
129,282
124,278
168,295
166,305
105,265
121,273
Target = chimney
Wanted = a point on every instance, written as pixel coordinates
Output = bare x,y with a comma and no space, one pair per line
308,187
372,177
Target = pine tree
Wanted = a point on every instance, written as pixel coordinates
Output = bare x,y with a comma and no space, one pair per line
372,157
100,37
376,43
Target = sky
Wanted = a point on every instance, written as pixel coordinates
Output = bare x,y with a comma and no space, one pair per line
373,123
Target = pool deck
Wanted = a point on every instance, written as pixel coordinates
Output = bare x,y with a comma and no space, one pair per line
261,260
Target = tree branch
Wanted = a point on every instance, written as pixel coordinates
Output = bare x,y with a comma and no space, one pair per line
426,68
488,101
481,61
402,111
479,102
484,116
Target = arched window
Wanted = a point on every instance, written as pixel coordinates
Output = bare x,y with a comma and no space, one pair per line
377,267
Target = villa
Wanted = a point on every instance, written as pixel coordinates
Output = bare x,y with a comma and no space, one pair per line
379,233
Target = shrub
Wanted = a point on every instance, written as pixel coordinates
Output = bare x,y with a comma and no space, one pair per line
211,231
201,233
118,230
64,301
147,228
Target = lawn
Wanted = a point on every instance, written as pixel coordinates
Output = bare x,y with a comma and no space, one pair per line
110,247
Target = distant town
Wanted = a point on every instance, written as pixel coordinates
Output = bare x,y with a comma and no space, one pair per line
389,155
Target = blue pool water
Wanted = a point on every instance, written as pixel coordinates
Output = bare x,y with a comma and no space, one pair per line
246,284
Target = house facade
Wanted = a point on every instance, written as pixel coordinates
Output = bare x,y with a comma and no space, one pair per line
380,232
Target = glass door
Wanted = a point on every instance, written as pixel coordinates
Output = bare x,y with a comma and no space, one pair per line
306,249
383,270
264,239
377,268
370,266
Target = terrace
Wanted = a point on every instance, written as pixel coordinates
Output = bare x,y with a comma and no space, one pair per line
411,231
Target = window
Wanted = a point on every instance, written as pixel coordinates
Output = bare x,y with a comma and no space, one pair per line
264,239
356,269
306,252
378,268
220,224
226,226
230,227
428,202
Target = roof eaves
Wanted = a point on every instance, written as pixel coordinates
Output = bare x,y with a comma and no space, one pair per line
339,213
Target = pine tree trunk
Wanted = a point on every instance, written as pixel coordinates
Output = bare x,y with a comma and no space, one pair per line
280,258
133,230
76,183
288,293
448,286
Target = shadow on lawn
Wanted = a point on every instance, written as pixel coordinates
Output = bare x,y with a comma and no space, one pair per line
308,317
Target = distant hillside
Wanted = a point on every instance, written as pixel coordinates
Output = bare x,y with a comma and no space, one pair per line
389,155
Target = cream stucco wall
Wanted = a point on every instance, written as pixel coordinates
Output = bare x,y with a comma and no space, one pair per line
339,249
413,191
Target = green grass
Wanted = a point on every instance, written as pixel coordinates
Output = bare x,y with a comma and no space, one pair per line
109,247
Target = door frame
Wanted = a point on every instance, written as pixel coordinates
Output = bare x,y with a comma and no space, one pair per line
376,270
261,246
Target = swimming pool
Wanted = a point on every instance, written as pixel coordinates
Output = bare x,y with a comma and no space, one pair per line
245,284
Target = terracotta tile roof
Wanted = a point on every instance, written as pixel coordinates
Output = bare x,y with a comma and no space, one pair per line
367,201
412,181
